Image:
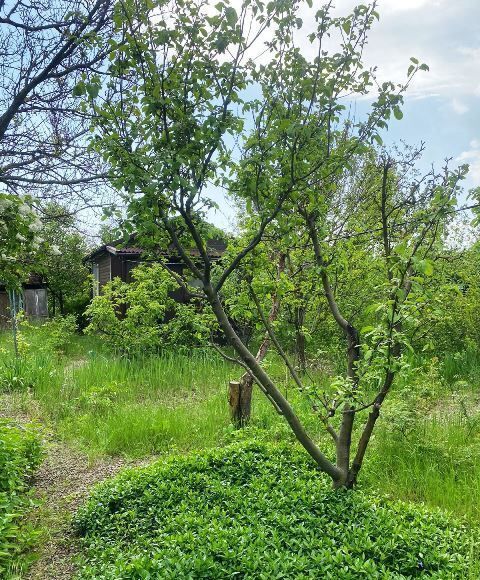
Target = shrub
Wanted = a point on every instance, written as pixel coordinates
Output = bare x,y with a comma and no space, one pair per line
20,454
153,320
55,335
254,511
59,332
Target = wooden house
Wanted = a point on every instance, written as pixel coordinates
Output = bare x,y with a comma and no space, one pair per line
119,259
32,300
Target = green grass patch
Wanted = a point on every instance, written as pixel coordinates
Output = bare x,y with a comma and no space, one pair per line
437,463
426,447
256,511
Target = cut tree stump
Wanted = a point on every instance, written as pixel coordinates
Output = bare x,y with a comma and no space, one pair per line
239,399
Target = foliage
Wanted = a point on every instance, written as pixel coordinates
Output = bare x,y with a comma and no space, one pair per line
62,264
20,239
53,336
255,511
58,332
20,454
303,172
143,316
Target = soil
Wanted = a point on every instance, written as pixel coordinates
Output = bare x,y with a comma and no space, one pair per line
62,482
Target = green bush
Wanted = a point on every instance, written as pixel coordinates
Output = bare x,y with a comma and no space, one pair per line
254,511
20,454
143,316
54,336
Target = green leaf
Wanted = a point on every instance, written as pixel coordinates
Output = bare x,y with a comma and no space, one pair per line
397,112
79,89
231,16
93,90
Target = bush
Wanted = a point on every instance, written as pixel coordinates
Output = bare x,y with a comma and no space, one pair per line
20,454
55,335
143,316
254,511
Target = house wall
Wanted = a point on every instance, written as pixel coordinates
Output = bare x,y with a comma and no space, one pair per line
108,266
34,303
4,310
104,270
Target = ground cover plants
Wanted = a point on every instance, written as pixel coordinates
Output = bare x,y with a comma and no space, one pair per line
20,454
339,317
256,511
107,404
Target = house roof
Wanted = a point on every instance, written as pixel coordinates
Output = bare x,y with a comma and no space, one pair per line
34,280
215,249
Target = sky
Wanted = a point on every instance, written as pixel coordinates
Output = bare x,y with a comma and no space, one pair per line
442,106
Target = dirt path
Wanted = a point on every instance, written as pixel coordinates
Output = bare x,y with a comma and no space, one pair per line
61,483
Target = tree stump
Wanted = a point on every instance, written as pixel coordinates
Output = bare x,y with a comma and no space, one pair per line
239,399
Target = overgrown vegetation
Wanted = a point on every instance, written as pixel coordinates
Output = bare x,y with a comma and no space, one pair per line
254,511
345,293
20,454
143,316
426,449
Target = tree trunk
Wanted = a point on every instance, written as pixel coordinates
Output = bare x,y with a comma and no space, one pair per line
60,303
240,400
270,389
13,310
240,392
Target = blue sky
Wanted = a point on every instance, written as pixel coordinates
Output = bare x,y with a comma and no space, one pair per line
442,106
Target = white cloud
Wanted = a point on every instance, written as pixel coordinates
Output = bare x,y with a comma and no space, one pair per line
472,157
442,33
404,5
458,106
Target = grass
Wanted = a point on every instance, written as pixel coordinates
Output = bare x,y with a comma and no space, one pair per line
134,407
426,447
437,464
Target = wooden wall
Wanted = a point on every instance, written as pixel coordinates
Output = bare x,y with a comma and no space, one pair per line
35,304
104,270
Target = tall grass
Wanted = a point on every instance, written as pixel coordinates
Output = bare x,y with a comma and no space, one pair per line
178,401
437,464
132,406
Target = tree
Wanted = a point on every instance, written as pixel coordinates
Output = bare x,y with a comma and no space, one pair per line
62,264
184,75
20,246
46,48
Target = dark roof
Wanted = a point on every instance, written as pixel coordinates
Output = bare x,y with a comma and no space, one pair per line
215,248
34,279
